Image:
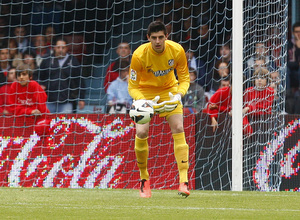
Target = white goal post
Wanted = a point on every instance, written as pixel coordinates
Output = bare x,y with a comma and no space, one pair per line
237,99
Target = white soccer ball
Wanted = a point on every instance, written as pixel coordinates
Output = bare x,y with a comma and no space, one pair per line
141,112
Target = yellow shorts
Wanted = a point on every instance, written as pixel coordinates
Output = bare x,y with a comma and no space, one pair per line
164,96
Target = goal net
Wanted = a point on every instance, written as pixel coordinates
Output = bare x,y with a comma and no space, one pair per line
92,146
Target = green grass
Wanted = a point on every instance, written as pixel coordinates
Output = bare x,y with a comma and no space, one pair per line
41,203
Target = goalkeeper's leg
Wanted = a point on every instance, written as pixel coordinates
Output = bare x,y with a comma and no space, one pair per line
141,152
181,151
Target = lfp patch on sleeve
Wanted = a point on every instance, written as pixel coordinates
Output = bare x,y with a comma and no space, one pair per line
133,74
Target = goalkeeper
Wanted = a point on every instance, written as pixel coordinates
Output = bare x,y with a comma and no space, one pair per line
152,77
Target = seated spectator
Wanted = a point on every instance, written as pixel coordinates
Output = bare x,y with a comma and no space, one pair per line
40,49
5,90
222,70
4,64
194,100
197,64
118,98
293,70
276,84
16,57
112,72
26,96
61,76
258,60
22,40
50,35
29,58
221,102
258,99
190,57
259,51
225,52
225,82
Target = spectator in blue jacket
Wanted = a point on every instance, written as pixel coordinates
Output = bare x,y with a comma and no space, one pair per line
61,76
118,98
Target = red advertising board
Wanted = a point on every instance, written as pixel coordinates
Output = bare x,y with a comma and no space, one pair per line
87,151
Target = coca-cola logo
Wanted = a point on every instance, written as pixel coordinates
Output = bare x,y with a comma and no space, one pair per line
86,151
265,178
73,155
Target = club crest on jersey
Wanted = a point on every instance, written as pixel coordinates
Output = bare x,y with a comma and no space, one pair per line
133,74
171,62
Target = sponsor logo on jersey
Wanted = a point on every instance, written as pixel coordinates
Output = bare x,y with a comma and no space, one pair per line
161,72
171,62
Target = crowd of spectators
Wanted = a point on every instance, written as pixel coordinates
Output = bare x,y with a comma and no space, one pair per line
208,54
57,71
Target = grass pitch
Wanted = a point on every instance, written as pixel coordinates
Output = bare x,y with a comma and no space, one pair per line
42,203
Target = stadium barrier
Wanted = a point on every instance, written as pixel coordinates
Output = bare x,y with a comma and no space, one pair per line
85,151
97,151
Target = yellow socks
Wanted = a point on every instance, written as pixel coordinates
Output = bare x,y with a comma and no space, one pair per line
181,151
141,152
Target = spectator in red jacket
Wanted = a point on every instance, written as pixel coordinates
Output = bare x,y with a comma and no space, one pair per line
5,90
259,98
112,72
27,98
220,102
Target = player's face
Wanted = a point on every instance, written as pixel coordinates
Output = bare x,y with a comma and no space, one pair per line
157,40
24,79
60,49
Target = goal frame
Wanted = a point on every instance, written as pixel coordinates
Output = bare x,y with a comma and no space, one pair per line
237,95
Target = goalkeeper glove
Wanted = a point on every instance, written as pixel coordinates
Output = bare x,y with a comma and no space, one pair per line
159,108
173,103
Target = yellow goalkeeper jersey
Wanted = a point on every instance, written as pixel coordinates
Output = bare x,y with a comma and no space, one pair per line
152,71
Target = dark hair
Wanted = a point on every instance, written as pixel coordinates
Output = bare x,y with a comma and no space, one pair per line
3,47
121,65
227,44
192,70
226,78
24,68
217,68
156,26
29,52
61,39
297,24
